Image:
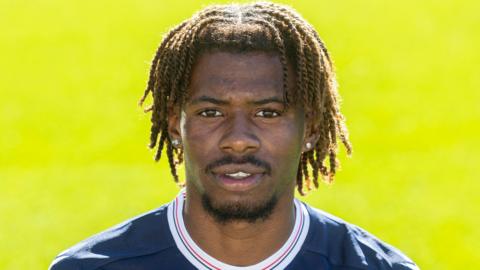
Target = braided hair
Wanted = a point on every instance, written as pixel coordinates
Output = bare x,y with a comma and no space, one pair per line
260,26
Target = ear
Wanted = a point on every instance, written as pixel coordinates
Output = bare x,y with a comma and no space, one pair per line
311,134
174,116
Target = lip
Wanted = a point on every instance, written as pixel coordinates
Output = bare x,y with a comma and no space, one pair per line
238,185
233,168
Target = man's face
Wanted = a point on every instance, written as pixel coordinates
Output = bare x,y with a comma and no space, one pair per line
241,146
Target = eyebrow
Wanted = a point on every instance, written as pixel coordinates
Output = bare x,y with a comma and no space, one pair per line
216,101
208,99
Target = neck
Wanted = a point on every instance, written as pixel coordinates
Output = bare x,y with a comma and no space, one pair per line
239,243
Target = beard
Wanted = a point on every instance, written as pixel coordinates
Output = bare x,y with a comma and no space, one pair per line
238,211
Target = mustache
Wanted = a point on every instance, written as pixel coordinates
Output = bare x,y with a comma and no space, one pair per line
249,159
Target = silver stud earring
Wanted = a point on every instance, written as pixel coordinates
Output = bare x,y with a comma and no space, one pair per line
176,143
308,145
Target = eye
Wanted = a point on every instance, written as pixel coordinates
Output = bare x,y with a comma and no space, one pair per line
210,113
268,113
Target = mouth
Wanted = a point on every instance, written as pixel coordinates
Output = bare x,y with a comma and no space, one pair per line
239,182
238,179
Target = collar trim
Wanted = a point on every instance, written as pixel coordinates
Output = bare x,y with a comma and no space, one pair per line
201,260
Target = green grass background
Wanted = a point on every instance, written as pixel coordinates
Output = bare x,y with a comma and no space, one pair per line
73,155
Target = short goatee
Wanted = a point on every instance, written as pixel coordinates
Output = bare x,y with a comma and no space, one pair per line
236,212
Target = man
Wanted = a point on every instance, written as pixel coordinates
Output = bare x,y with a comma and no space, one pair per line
245,96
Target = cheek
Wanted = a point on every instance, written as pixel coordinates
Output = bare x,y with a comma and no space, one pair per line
198,141
285,145
288,136
194,153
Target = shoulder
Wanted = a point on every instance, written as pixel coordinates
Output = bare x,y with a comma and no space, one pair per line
347,246
141,235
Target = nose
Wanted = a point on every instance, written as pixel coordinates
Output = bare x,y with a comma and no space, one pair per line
239,137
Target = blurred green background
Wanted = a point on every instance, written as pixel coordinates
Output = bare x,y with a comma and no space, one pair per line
73,155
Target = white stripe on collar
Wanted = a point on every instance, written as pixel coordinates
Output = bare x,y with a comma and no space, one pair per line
201,260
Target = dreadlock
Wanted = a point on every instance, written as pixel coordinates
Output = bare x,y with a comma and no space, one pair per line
260,26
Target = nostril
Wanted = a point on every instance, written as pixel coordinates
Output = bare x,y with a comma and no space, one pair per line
239,143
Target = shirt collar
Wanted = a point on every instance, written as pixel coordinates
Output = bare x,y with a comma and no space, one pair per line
201,260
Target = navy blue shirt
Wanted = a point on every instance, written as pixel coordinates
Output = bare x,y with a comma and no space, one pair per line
159,240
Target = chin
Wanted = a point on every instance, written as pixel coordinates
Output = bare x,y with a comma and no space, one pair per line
239,207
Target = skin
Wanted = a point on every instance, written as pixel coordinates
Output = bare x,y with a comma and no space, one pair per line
234,108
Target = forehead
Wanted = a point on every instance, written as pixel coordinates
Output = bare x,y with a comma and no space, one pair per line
235,75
